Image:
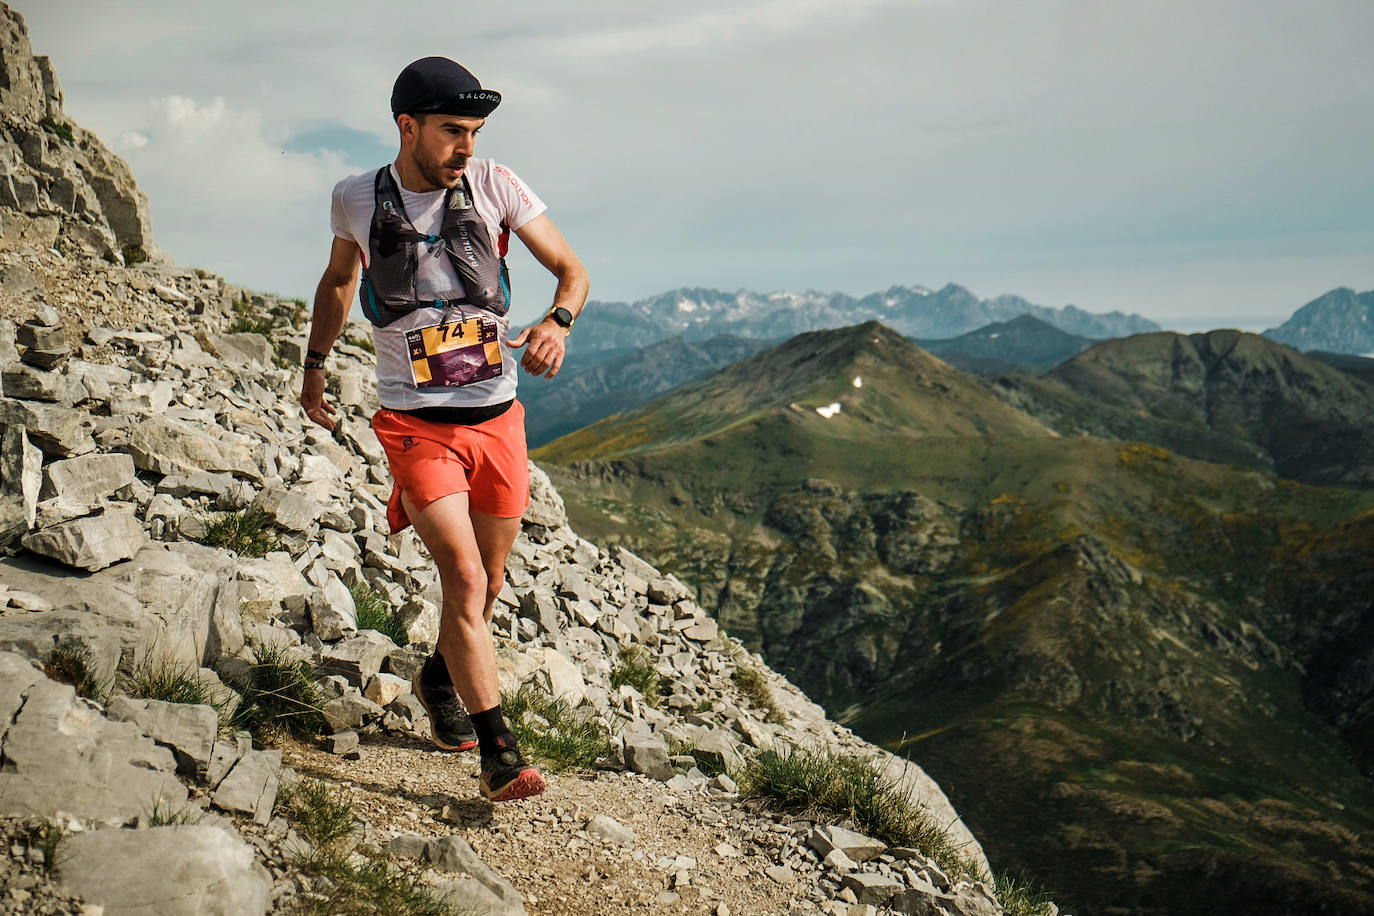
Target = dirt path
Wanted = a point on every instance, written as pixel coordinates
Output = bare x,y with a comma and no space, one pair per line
675,864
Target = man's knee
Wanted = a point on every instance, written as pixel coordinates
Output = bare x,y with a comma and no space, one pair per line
463,575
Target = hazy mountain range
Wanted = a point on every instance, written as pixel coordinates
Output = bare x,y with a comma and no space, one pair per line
698,314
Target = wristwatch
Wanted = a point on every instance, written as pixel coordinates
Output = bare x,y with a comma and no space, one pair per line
561,317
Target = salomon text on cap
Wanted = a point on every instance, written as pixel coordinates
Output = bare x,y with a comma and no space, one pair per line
442,86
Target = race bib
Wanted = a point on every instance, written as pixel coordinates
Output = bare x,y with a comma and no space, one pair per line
455,353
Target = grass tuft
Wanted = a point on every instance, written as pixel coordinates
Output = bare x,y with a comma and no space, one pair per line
635,669
172,682
71,663
320,811
375,614
1021,895
60,128
344,884
167,817
821,783
48,839
366,889
550,729
362,343
246,324
755,689
279,695
248,533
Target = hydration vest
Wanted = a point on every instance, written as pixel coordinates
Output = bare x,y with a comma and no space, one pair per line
388,282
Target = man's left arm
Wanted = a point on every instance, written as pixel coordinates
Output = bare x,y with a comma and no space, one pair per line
545,342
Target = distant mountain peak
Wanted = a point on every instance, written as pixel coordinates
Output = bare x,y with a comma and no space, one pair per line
1339,321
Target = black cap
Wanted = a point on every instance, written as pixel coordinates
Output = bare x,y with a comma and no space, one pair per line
443,86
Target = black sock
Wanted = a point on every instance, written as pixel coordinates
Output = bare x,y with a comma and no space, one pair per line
492,734
435,674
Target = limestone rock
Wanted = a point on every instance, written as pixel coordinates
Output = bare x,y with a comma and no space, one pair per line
292,511
91,543
872,888
21,469
856,846
546,506
483,887
167,446
87,479
359,658
332,611
648,755
562,678
188,730
190,870
611,830
251,786
62,755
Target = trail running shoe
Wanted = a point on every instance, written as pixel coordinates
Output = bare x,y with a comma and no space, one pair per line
449,723
506,776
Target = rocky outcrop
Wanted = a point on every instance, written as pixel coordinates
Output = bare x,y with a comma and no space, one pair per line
58,183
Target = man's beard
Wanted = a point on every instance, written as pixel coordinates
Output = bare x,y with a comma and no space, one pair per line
433,171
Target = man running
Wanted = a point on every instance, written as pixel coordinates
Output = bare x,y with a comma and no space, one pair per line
431,231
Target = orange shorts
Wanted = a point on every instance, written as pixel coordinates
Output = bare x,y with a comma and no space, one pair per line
430,460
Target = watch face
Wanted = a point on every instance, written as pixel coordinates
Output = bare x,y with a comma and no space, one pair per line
562,316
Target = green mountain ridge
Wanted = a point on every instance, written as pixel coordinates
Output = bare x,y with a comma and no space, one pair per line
1130,669
1023,343
1224,396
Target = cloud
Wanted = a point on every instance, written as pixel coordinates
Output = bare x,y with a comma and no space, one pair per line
228,197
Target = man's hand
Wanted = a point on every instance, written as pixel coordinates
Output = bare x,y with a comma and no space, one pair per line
547,343
312,399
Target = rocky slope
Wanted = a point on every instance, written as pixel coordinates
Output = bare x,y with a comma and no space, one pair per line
134,428
1124,626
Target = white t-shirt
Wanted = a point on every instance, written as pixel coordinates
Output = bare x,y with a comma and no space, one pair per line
500,197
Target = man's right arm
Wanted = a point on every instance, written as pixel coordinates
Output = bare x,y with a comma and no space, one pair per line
332,299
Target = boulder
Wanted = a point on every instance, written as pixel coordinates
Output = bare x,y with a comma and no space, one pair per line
188,730
170,871
251,786
332,611
61,432
21,470
872,888
168,446
561,677
856,846
63,756
88,478
33,384
289,510
93,542
242,349
546,507
648,754
359,658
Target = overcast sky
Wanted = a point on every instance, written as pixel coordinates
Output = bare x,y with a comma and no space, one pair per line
1201,162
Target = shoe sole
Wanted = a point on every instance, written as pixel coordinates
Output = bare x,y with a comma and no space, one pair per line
529,782
442,745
